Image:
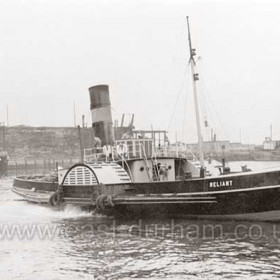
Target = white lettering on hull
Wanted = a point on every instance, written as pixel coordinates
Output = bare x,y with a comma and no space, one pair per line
218,184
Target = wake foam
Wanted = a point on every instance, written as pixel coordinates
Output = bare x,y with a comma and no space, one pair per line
23,211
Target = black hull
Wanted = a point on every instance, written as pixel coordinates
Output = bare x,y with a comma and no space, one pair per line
243,204
250,196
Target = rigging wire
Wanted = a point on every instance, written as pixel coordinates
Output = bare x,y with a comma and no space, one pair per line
119,115
205,92
178,95
117,112
185,105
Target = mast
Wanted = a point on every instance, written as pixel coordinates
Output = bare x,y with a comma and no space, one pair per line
195,79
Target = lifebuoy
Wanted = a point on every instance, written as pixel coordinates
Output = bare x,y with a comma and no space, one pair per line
93,198
122,149
55,199
102,200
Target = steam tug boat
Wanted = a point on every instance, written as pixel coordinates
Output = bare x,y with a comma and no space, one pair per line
132,176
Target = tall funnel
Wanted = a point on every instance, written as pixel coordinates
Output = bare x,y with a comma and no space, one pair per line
100,107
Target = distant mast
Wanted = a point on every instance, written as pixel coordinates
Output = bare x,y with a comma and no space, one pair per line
195,79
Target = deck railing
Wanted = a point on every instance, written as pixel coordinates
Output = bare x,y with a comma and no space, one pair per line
136,148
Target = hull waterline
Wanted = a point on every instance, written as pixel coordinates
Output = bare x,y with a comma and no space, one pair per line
249,196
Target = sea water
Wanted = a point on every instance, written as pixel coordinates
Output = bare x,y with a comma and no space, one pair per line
38,242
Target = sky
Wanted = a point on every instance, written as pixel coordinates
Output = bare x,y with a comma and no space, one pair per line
52,51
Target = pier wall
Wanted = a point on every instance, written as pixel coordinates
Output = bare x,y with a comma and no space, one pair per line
42,145
44,142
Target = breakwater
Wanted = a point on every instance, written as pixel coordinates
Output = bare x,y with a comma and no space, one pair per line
44,142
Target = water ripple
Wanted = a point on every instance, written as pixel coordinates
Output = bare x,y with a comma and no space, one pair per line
85,245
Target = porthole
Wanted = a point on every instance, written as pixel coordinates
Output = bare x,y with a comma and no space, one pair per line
141,168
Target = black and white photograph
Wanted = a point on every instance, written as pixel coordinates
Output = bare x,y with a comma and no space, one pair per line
139,139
